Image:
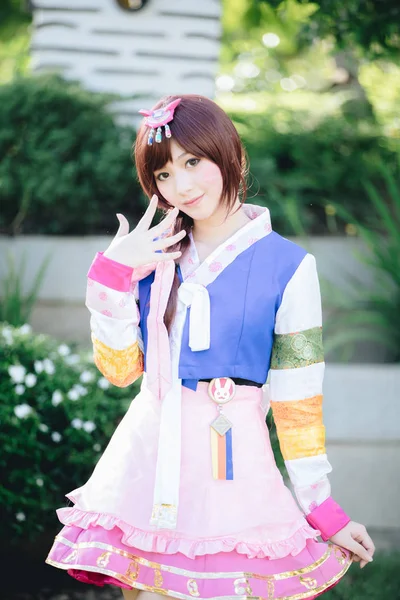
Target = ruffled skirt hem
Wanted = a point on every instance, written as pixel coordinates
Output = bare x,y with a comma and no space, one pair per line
254,544
98,556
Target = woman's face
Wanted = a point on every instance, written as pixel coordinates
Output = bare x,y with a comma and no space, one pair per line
186,178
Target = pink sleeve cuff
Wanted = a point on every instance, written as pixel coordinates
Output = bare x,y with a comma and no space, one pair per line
328,517
110,273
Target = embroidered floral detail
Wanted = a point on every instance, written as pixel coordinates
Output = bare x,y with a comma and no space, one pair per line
122,303
107,313
252,241
296,350
267,227
190,260
120,367
230,247
103,296
313,505
215,266
90,282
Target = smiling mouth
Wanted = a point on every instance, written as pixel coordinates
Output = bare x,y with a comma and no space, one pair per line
194,200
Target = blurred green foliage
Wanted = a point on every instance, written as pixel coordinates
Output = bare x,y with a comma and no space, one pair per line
379,580
65,165
58,414
15,19
363,314
16,305
300,169
373,27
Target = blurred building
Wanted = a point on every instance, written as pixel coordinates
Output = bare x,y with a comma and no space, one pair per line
140,49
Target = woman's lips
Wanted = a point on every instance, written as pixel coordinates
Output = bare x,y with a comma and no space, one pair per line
194,201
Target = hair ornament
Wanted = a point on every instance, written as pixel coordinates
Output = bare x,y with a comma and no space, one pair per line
156,119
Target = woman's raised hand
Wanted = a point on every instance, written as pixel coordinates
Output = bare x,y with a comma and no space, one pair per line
138,247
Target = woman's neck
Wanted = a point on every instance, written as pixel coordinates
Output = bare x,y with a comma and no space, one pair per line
217,228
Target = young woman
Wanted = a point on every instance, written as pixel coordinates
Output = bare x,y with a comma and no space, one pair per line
187,500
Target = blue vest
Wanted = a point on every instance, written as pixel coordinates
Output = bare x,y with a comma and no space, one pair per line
244,300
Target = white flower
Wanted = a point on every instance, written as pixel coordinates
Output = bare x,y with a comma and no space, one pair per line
30,380
77,423
19,389
96,447
56,437
86,377
63,350
39,481
25,329
89,426
72,359
38,366
7,335
103,383
20,516
82,391
43,427
73,394
56,398
22,410
48,366
17,373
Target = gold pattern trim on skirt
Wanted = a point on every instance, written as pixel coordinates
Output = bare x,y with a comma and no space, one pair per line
120,367
211,575
174,594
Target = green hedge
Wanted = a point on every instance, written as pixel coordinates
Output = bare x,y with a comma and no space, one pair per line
57,414
65,166
297,169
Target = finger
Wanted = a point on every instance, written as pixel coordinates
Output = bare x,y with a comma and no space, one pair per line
163,225
169,241
362,564
360,551
123,228
356,558
148,216
365,540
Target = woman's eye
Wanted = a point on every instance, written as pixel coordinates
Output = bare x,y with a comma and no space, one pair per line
162,176
192,162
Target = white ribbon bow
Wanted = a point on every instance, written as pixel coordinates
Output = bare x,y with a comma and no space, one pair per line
196,296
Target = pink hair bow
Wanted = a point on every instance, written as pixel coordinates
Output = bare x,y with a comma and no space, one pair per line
155,119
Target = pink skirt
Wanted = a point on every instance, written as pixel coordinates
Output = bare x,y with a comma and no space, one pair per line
245,537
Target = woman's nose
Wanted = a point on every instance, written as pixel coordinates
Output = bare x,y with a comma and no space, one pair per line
183,183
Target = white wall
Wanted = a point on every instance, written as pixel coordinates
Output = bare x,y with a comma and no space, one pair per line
164,48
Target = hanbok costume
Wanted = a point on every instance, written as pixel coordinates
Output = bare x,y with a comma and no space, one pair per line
187,500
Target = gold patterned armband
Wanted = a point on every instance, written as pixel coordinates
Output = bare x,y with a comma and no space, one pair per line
295,350
120,367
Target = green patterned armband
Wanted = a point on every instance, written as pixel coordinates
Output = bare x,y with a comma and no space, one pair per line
295,350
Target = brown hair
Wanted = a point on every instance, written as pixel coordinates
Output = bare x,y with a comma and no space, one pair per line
203,129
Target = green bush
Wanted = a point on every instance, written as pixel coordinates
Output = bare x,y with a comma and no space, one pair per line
299,168
57,415
65,165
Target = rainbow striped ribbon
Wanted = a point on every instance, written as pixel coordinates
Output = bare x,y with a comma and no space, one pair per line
221,453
